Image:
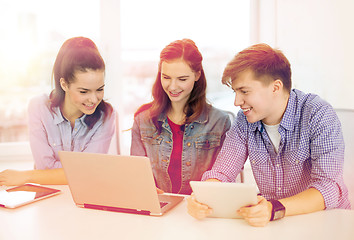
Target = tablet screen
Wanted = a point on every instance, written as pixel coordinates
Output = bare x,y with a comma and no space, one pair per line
24,194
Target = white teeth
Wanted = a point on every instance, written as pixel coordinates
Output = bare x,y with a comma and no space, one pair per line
174,94
246,109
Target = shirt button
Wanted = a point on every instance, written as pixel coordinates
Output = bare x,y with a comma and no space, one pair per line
192,127
188,163
189,144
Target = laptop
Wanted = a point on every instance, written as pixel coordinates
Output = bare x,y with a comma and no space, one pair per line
115,183
225,198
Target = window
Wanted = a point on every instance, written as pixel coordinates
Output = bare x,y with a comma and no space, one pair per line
33,31
31,35
219,28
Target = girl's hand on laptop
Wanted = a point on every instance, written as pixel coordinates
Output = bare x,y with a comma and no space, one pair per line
197,209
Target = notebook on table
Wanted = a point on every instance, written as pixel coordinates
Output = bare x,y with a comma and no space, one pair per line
115,183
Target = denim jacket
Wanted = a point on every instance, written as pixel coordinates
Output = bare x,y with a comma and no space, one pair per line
202,141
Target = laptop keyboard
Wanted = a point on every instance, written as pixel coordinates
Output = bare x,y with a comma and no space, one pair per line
162,204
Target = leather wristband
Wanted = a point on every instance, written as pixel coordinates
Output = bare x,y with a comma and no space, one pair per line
278,210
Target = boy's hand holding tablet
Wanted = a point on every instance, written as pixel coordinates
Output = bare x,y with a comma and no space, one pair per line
213,198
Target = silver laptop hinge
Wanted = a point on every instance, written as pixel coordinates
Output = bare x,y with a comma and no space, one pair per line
155,214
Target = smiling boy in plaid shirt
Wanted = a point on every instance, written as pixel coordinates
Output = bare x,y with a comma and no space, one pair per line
293,140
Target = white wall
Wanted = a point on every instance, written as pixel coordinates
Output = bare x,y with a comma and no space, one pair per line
346,117
317,37
111,52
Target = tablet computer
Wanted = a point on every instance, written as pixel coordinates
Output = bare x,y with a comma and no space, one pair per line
224,198
25,194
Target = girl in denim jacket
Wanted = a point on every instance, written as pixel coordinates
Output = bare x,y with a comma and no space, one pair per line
179,131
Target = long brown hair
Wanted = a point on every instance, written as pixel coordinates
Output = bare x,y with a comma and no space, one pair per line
77,54
181,49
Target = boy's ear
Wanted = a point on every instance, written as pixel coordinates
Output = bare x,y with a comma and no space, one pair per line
277,85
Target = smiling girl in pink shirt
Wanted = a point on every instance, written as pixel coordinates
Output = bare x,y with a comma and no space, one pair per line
74,117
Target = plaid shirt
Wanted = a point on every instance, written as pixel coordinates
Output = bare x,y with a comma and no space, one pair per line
311,152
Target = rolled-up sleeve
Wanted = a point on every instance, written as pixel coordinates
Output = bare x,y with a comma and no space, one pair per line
327,154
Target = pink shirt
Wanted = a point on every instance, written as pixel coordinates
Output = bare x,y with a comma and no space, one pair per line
50,132
174,169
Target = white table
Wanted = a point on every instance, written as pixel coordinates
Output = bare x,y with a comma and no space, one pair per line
58,218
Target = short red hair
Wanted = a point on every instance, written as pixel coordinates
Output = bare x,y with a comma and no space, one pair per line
263,61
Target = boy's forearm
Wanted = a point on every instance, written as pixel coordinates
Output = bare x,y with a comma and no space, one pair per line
310,200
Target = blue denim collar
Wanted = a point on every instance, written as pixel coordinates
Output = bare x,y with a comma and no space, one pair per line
202,119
